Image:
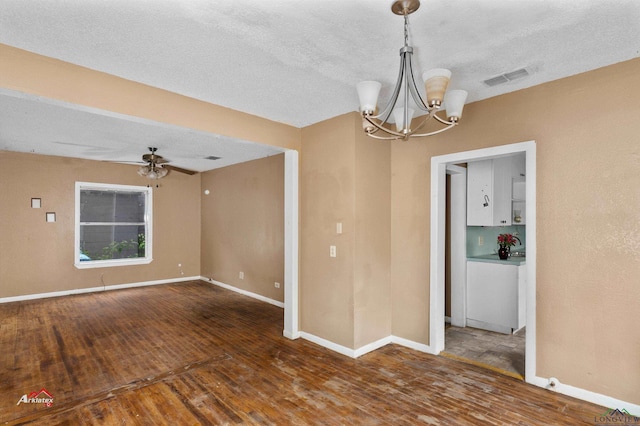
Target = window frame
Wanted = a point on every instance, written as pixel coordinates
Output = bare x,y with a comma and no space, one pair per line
148,220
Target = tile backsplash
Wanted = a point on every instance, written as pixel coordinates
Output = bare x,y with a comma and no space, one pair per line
490,236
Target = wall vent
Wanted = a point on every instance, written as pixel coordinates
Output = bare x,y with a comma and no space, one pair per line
212,157
506,77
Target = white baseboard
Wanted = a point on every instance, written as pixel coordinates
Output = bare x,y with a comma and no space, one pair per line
292,336
585,395
356,353
328,344
372,346
93,289
244,292
413,345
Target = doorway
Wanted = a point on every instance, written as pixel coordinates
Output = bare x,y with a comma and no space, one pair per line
439,167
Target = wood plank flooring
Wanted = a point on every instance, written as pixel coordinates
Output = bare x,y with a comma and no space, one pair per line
193,353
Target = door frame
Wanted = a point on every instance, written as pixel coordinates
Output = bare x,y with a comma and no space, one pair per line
458,242
291,327
438,234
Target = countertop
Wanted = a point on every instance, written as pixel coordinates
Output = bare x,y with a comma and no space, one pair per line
493,258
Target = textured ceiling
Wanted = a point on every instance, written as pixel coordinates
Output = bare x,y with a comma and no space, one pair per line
298,61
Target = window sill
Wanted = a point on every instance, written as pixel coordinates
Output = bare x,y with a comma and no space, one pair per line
110,263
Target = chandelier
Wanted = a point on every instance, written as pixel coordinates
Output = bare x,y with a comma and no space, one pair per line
435,82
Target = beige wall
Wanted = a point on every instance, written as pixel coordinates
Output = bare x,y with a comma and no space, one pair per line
38,257
27,72
588,215
327,187
345,179
243,226
372,261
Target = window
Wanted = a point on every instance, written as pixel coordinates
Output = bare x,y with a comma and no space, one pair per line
113,225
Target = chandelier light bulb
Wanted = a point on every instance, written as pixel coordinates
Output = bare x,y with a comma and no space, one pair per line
454,103
398,115
368,92
436,82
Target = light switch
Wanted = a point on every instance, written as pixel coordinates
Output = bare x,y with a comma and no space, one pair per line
332,251
339,228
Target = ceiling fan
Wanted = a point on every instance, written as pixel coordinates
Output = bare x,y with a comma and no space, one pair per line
157,167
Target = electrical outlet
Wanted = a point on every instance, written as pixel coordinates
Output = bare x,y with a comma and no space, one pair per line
332,251
480,240
276,285
241,275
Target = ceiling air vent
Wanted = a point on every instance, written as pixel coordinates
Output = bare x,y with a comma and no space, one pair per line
514,75
506,77
211,157
496,81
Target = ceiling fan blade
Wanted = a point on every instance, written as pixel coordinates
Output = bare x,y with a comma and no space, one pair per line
124,162
179,169
154,158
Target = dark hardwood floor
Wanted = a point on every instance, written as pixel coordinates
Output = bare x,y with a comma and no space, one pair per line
193,353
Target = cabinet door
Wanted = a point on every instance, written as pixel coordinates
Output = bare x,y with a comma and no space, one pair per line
489,192
502,188
480,193
518,165
492,293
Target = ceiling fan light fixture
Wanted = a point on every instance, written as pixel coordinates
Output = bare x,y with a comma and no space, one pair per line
143,171
436,83
153,171
161,172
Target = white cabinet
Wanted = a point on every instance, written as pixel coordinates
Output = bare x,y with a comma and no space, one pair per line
518,201
489,192
519,189
496,191
496,296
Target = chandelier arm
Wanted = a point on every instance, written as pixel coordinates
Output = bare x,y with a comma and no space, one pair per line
444,129
385,138
425,121
379,126
396,136
420,103
394,97
442,120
